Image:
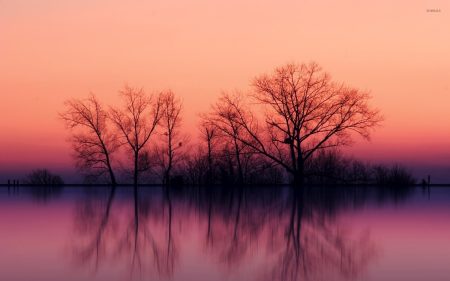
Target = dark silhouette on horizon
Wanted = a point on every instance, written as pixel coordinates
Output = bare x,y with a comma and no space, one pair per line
171,151
43,177
94,144
287,130
136,123
43,185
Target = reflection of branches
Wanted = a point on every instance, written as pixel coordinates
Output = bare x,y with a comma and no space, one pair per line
288,234
317,248
145,243
232,226
171,249
311,245
136,254
91,250
148,241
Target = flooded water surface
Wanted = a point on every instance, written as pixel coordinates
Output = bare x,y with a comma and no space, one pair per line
104,233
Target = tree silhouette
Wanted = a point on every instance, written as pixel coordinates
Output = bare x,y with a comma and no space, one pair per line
93,143
209,135
173,140
136,122
226,117
304,112
43,177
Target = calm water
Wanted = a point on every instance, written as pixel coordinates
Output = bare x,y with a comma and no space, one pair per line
225,234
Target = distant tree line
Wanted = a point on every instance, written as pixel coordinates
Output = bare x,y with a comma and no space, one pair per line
287,129
332,167
43,177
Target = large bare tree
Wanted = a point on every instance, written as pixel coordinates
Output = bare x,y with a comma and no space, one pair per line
304,111
136,122
92,140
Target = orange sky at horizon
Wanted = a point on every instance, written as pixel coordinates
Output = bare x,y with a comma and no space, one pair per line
54,50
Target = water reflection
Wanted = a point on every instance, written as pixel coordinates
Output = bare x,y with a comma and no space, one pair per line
42,194
140,236
92,222
287,234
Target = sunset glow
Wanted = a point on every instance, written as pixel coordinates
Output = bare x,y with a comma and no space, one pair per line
51,51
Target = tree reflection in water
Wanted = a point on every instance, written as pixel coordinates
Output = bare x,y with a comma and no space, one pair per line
135,236
295,234
315,247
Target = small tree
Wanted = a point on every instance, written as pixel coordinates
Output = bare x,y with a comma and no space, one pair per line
43,177
136,122
173,140
229,119
92,140
209,135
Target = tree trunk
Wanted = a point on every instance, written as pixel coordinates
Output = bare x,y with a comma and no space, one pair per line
209,174
170,161
299,174
168,171
108,162
111,173
113,178
136,171
240,180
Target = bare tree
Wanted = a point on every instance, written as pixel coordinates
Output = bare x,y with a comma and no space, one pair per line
195,167
209,135
172,137
137,122
228,122
94,143
43,177
304,111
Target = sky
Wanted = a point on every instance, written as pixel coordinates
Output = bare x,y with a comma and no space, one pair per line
53,50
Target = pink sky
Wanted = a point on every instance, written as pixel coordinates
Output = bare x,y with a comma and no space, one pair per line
54,50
